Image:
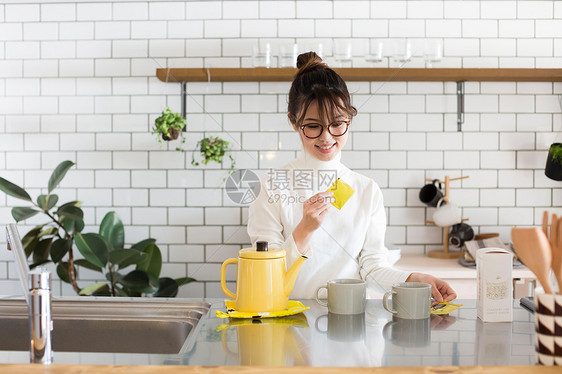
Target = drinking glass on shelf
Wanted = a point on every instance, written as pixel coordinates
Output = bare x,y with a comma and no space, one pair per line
402,50
288,55
261,55
376,52
432,52
319,50
316,47
343,52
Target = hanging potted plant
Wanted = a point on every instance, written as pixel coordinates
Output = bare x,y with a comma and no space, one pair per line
214,149
169,126
553,168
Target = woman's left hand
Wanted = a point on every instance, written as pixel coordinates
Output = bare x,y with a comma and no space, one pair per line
440,290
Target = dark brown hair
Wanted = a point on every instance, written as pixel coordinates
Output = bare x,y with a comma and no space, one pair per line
317,82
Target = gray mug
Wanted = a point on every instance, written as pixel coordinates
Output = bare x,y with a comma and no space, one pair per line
343,327
408,332
345,296
410,300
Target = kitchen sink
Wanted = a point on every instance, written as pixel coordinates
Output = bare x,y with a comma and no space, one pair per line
105,324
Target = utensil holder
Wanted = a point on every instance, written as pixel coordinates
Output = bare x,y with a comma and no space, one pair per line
445,252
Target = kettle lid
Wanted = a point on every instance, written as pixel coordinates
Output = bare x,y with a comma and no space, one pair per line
261,251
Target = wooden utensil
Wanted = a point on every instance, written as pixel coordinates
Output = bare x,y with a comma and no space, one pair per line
556,245
555,239
533,248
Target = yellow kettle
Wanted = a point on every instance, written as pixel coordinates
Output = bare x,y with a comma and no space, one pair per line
266,341
262,284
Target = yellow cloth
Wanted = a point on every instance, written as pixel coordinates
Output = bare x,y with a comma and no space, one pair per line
295,307
298,320
444,308
342,192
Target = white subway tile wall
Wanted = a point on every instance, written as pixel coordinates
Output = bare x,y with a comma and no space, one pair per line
78,82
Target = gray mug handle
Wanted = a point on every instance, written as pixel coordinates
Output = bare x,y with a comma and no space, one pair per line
387,330
317,321
316,296
385,302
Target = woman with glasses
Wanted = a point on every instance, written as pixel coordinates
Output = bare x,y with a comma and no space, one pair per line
293,211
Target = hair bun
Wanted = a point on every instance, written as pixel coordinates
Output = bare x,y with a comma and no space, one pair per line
308,60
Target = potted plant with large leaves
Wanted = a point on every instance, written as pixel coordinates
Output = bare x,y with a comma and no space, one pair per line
553,168
103,252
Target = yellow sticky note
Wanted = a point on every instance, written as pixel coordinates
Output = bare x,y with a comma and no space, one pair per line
342,192
444,308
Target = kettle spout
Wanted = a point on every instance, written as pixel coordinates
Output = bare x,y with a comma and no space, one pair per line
291,275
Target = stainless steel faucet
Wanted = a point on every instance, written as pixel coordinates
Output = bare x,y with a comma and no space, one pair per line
40,321
15,245
38,296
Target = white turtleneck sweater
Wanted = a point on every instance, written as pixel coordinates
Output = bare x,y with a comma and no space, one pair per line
350,241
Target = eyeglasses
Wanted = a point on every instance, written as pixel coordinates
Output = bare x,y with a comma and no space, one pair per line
313,130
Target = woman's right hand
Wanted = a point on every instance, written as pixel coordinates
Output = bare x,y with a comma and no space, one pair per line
314,210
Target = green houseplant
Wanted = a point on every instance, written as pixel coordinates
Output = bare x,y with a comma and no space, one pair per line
553,168
103,252
169,126
213,149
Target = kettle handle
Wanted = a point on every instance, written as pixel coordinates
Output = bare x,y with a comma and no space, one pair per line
225,289
225,345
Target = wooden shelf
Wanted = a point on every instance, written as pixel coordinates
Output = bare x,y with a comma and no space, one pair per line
362,74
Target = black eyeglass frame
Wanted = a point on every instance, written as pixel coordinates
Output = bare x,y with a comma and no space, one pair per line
347,123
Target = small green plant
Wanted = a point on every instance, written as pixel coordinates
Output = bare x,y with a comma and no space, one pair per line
213,149
555,152
553,168
169,126
103,252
